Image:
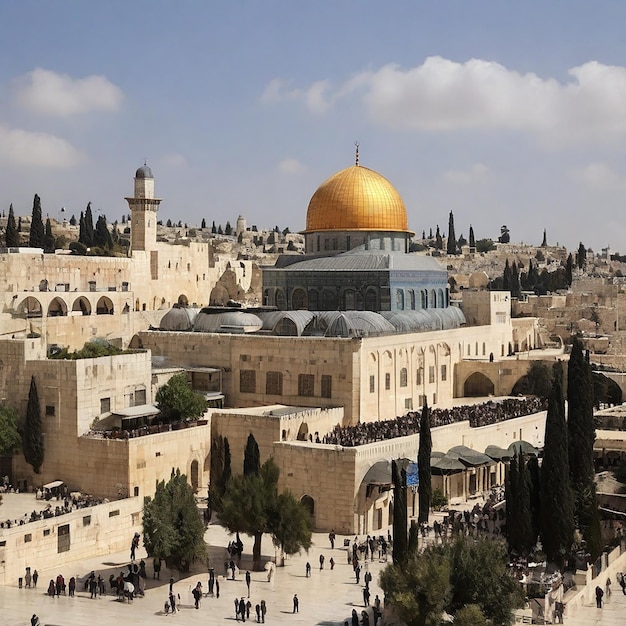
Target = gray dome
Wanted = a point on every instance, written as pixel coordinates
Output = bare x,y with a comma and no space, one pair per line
208,321
179,319
144,172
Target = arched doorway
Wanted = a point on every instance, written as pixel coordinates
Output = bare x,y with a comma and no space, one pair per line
303,432
30,307
478,385
83,305
183,300
57,308
194,475
309,504
104,306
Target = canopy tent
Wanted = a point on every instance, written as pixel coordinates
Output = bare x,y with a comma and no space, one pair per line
447,463
523,447
380,472
470,457
497,453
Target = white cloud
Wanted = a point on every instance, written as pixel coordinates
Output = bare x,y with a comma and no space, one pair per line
37,149
48,93
291,166
599,176
174,160
276,91
477,173
441,95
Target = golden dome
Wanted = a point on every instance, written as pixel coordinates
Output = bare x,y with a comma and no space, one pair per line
356,198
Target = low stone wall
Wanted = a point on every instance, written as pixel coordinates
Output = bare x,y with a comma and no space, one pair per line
58,541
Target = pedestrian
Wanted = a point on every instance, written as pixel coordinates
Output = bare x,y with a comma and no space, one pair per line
366,596
622,582
357,573
332,563
171,585
156,568
355,618
331,537
166,607
248,607
599,594
35,578
263,611
296,603
248,579
321,561
28,577
237,609
134,544
197,594
242,609
51,589
172,601
377,604
307,569
34,620
72,586
217,588
367,578
365,618
607,588
257,609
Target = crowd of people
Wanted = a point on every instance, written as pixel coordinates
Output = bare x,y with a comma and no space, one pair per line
478,415
69,504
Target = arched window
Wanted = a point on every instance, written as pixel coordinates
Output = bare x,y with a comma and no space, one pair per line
403,377
298,299
371,299
400,299
412,299
281,303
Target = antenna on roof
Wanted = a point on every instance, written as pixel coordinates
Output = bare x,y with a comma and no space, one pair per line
356,143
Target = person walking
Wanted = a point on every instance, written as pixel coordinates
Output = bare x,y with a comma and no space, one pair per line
34,620
197,594
599,594
217,588
237,609
257,610
357,573
172,601
248,580
35,578
607,588
296,603
622,582
366,596
355,618
331,538
242,609
307,569
332,563
321,561
263,611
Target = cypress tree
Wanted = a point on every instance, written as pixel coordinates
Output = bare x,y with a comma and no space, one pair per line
557,506
88,226
581,436
535,495
512,500
32,435
544,243
515,286
527,538
400,543
228,472
11,235
438,240
73,220
451,246
81,229
251,457
425,489
472,240
581,256
48,242
569,267
37,233
19,224
506,277
102,236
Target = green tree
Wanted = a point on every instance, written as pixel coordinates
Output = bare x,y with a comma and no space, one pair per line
451,243
557,506
10,440
569,268
178,401
581,256
515,285
544,242
580,438
418,590
250,505
228,229
251,457
425,488
400,546
203,223
48,240
470,615
290,524
536,382
438,240
37,234
472,239
479,575
88,226
32,434
511,495
172,525
12,237
102,236
73,220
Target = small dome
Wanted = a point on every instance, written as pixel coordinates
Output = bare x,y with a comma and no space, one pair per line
356,198
144,172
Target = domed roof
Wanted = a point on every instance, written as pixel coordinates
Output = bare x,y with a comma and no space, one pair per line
356,198
144,172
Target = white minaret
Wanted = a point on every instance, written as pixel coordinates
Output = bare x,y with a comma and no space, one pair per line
143,210
241,225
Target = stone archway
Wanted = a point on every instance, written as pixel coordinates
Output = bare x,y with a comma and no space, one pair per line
309,504
194,475
30,307
104,306
478,385
57,308
82,305
303,432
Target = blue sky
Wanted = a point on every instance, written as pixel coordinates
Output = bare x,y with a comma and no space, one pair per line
505,113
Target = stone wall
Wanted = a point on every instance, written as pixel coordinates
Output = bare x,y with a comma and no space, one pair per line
93,531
